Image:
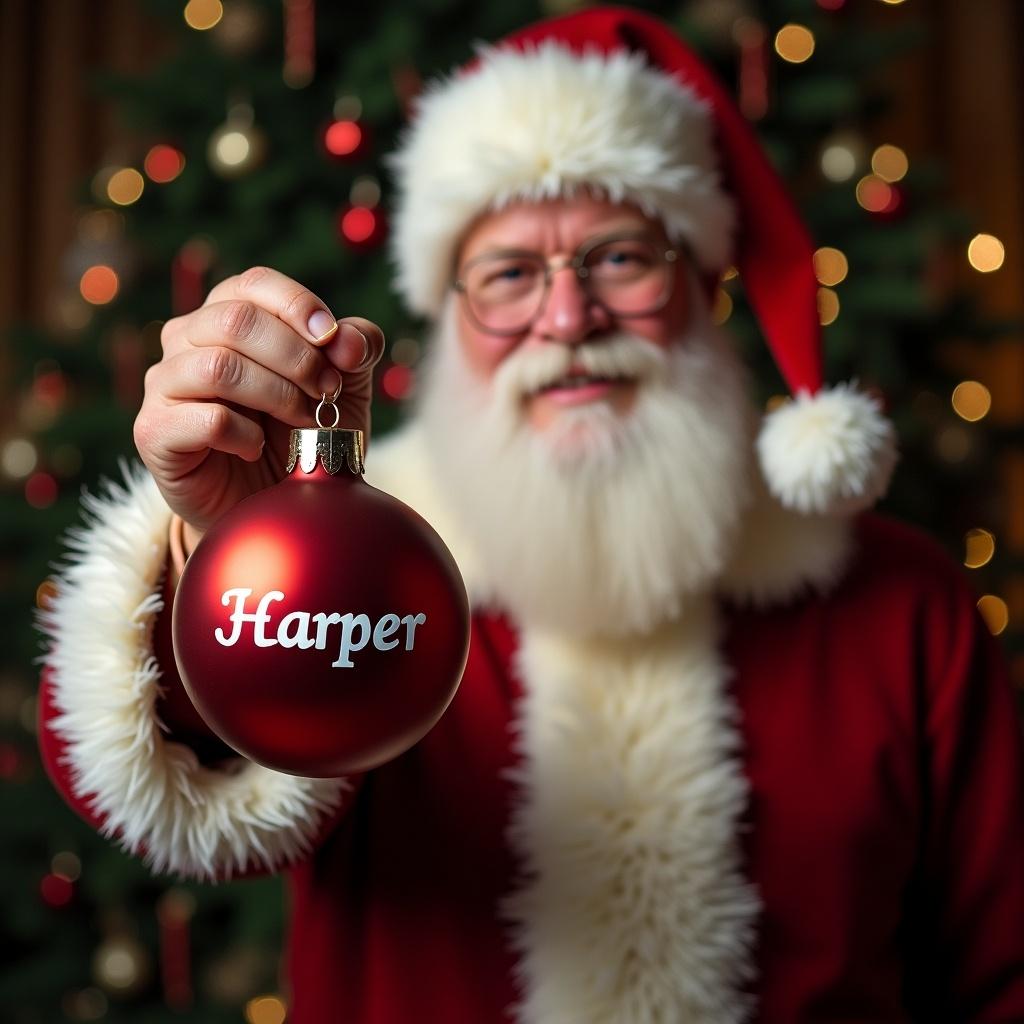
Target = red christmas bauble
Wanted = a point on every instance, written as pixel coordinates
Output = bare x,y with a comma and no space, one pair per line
321,627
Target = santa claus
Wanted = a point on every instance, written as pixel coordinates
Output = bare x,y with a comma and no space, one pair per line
728,747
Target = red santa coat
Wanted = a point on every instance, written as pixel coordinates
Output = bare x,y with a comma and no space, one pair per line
861,860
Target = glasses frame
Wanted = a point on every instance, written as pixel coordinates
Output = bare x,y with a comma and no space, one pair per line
576,264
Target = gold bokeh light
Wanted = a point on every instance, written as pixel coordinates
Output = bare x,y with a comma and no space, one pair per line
890,163
995,613
830,266
203,14
266,1010
794,43
985,253
979,547
971,400
125,186
828,306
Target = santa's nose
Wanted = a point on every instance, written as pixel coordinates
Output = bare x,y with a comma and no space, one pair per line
570,316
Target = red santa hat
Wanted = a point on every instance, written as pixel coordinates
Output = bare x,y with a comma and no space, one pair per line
611,99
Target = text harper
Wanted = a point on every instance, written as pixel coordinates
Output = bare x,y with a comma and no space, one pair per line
294,629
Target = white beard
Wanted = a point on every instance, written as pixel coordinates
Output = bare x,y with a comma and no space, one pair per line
602,522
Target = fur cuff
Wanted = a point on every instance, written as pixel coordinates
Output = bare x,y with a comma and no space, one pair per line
151,793
832,452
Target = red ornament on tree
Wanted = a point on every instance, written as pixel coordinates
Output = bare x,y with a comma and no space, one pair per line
321,627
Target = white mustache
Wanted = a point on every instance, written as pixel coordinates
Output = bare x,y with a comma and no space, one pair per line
528,370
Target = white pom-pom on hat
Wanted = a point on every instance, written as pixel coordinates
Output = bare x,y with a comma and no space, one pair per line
832,452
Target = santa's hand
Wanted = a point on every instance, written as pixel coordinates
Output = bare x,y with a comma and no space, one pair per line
236,375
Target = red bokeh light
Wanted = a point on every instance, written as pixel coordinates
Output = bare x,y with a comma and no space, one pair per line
56,890
163,164
396,382
343,138
40,490
359,224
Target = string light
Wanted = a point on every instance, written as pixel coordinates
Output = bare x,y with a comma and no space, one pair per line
995,613
99,285
163,164
971,400
266,1010
985,253
794,43
125,186
828,306
203,14
980,546
830,266
890,163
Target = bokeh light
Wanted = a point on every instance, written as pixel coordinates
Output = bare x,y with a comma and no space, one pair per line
266,1010
874,194
890,163
971,400
794,43
979,547
995,613
838,162
203,14
19,457
40,490
830,266
125,186
365,191
342,138
163,164
358,224
828,306
985,253
99,285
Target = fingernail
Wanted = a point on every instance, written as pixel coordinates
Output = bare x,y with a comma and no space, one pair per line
321,325
329,381
366,343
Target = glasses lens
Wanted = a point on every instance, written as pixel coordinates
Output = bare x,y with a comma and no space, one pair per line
628,275
504,292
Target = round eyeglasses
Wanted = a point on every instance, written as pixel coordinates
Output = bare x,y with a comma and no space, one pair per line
628,275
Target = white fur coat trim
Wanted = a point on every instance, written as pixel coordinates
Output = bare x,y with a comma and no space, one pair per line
634,908
153,794
540,124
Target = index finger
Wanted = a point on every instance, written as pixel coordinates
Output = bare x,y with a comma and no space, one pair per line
306,313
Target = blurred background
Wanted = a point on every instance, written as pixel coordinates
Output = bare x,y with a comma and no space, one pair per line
149,148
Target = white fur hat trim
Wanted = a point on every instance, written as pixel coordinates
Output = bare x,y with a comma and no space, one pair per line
542,123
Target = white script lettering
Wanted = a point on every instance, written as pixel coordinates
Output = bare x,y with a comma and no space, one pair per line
357,631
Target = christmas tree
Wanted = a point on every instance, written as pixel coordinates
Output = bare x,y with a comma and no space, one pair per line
260,140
